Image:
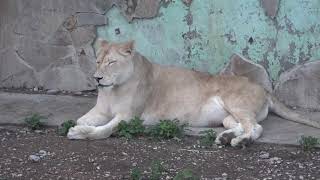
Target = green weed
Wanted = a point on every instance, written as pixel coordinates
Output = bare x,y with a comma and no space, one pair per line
308,142
156,170
65,126
131,129
208,138
35,121
136,174
167,129
186,174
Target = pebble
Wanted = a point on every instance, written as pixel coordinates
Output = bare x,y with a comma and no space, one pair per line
264,155
34,158
300,166
52,91
42,153
78,93
275,160
39,131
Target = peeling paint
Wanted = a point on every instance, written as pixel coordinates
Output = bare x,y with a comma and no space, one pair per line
271,7
204,34
187,2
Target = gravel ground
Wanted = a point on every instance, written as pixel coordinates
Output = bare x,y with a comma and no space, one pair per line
45,155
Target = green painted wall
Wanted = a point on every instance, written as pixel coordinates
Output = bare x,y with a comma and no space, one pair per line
204,35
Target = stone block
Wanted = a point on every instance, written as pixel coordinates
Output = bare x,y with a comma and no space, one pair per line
15,72
84,19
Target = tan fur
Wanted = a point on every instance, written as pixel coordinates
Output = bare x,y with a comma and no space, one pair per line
131,86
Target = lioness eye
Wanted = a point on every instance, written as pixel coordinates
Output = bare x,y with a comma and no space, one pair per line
111,62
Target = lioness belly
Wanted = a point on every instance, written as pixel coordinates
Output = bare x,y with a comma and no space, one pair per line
210,113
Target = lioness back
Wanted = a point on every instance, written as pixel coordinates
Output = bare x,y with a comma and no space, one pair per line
184,94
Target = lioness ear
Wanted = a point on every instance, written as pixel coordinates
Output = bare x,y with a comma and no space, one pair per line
128,48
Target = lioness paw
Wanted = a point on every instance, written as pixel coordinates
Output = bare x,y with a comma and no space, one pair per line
240,142
225,138
80,132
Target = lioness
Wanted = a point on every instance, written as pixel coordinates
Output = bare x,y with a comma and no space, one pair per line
129,85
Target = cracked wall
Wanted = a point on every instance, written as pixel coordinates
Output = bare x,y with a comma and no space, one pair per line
49,43
204,34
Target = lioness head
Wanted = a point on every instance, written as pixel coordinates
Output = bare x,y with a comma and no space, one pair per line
114,63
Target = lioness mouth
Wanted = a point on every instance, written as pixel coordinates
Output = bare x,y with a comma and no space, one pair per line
102,85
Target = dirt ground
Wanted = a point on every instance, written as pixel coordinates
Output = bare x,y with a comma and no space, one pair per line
45,155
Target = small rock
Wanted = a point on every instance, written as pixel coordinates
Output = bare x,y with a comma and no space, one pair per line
300,166
34,158
16,175
52,91
39,131
43,153
224,174
264,155
78,93
275,160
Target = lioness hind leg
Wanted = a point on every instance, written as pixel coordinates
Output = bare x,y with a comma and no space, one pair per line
234,130
229,122
246,138
251,130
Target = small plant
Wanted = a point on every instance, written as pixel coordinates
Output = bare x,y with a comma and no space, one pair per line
208,138
35,121
308,142
135,174
167,129
185,174
131,129
156,170
65,126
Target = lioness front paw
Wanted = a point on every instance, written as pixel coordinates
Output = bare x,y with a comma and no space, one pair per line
80,132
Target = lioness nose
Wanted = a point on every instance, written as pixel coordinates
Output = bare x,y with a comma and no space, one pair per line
97,78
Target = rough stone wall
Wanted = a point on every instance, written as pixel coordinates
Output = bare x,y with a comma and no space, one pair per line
48,43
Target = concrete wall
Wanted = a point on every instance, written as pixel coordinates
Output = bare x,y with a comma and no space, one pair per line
205,34
49,43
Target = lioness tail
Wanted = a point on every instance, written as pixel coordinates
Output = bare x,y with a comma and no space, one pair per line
280,109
